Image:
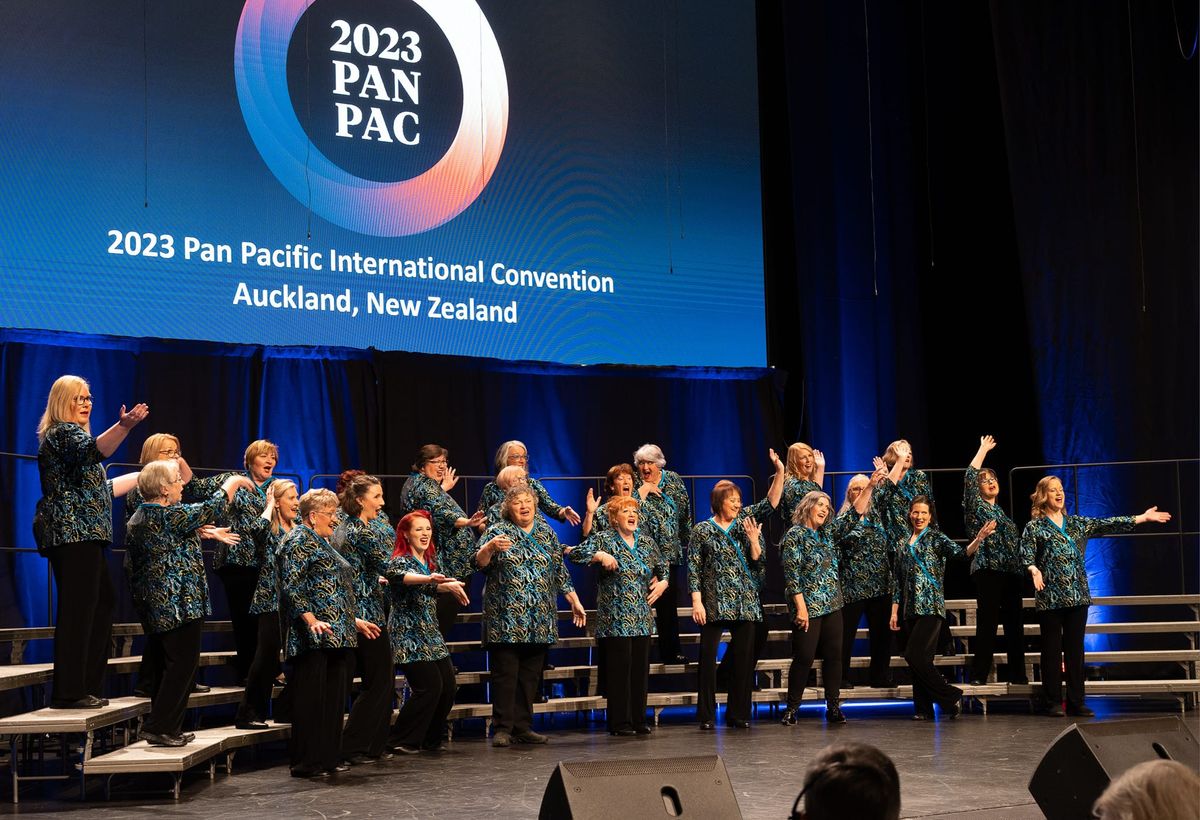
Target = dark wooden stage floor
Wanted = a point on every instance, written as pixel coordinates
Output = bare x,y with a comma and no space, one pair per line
974,767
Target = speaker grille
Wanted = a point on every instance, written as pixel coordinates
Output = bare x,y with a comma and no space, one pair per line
628,768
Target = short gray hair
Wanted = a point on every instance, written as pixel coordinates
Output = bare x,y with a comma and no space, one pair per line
651,453
317,500
155,476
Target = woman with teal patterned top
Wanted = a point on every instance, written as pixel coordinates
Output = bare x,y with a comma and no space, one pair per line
805,474
506,479
170,592
1052,548
523,561
726,565
363,548
666,512
867,556
514,454
318,587
618,483
920,602
631,580
996,570
907,484
76,515
428,488
414,583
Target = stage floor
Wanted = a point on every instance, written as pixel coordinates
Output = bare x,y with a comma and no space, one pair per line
975,767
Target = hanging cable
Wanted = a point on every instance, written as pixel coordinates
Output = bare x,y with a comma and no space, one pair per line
678,131
308,111
482,160
928,176
1179,39
1137,174
667,145
145,106
871,156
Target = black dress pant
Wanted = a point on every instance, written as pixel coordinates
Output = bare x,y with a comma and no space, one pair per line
1062,643
999,596
366,731
149,674
725,668
824,633
878,611
180,651
448,608
260,680
516,674
83,619
666,619
318,684
627,668
741,647
239,583
929,687
431,688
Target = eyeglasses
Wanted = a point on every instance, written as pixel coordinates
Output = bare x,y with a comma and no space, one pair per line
327,513
81,400
436,461
170,453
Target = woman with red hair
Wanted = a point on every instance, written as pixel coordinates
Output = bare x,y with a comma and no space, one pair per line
417,643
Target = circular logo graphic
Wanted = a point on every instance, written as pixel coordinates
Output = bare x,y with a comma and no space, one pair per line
368,206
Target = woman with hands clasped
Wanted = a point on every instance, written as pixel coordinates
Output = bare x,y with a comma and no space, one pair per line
419,648
523,561
632,577
1053,546
726,565
920,601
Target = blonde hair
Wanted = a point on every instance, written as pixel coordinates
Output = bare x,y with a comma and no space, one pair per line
259,447
793,459
60,404
317,500
153,444
846,502
619,505
511,476
155,476
278,489
890,456
1154,790
1041,495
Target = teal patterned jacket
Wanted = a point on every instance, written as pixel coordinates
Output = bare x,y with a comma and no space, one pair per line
523,584
810,566
720,569
412,622
1059,554
867,557
493,495
268,544
1002,549
621,608
317,579
921,573
668,516
894,500
455,547
794,489
244,518
365,550
76,498
166,566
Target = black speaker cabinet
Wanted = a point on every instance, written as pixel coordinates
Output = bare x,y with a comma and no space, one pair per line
1084,759
688,787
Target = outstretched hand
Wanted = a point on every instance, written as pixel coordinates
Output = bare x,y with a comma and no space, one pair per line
1154,515
132,418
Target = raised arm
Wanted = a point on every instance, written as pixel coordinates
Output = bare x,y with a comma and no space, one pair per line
819,471
986,445
775,491
108,441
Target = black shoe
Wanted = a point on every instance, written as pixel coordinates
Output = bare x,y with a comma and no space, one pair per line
529,736
738,724
1054,710
1021,681
887,683
314,773
86,702
622,733
1080,711
683,659
952,711
846,685
642,730
707,726
833,714
139,692
360,759
437,748
922,716
547,666
189,736
978,682
103,701
405,749
339,768
789,717
200,688
155,739
384,755
251,724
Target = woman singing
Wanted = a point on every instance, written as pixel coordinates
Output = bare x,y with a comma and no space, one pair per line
725,569
523,561
419,648
76,515
666,512
805,474
1052,548
513,454
631,580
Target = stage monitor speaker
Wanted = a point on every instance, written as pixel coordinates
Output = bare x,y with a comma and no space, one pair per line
687,787
1083,760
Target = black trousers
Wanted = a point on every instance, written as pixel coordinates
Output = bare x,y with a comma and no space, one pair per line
264,669
180,651
824,633
741,646
878,611
318,684
82,620
149,674
666,619
431,697
239,583
448,608
929,687
725,668
366,731
1062,644
516,674
627,669
999,596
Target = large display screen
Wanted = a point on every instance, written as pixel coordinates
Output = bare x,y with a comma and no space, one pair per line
573,182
